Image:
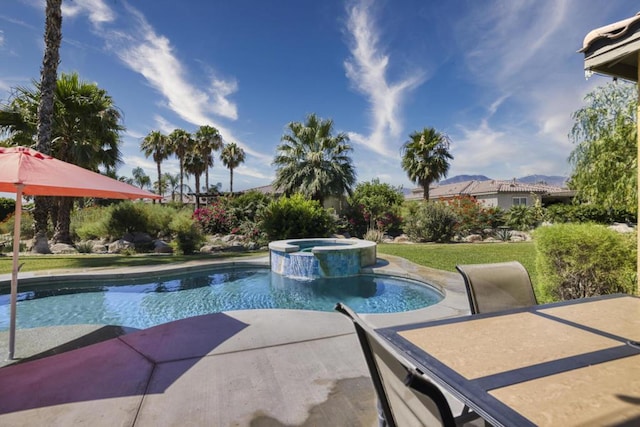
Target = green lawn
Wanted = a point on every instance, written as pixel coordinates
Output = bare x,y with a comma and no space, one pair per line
57,262
440,256
446,256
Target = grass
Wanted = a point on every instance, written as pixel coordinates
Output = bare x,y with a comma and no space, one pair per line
439,256
446,256
63,262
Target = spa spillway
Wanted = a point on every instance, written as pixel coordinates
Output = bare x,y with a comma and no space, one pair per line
317,258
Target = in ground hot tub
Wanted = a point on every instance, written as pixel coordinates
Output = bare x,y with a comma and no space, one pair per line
315,258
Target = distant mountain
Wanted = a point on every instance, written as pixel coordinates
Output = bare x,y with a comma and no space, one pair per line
463,178
554,180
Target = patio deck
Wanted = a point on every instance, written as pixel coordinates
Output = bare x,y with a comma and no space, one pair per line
238,368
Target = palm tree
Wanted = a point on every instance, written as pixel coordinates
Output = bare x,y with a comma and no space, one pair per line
48,81
314,162
180,141
156,144
195,164
232,156
140,178
208,140
85,132
173,183
425,157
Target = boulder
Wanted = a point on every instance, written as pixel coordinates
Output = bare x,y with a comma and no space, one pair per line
621,228
401,239
472,238
63,248
120,245
162,247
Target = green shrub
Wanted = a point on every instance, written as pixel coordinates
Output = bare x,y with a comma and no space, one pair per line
26,226
522,217
430,222
582,260
84,247
90,223
7,207
127,217
295,217
560,213
187,235
247,205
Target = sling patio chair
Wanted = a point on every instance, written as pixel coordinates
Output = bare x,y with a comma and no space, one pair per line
497,286
406,397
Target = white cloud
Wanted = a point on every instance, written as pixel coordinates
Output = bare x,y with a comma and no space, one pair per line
98,12
1,38
366,69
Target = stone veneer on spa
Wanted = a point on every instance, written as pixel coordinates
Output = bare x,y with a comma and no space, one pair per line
317,258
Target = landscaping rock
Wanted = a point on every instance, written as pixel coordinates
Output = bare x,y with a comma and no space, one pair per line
472,238
99,248
621,228
119,245
63,248
401,239
162,247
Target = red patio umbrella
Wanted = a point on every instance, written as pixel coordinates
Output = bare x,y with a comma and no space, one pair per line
28,172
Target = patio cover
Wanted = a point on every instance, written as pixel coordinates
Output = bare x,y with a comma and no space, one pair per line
613,49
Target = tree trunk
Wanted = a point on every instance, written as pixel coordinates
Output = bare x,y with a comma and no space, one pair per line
206,180
181,181
160,186
425,190
231,180
197,179
48,81
62,233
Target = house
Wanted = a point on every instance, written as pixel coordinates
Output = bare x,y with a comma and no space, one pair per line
503,194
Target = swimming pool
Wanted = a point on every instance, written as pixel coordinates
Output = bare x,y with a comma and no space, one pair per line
142,303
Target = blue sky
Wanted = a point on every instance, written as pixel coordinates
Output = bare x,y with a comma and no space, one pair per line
501,78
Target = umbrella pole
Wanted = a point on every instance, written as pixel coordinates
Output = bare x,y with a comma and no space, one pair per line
14,270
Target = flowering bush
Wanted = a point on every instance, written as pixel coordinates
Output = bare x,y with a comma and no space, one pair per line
216,217
473,216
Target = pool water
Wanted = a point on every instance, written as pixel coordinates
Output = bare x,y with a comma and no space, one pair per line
146,303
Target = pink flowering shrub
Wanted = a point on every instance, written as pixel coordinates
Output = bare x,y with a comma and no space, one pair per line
215,218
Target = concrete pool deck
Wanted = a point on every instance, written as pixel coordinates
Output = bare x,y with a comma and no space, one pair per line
237,368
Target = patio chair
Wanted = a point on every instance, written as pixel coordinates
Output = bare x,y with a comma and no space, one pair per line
497,286
405,396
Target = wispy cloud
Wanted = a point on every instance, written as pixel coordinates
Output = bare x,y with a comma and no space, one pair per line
151,54
367,72
137,44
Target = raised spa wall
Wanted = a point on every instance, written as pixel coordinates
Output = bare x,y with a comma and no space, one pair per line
317,258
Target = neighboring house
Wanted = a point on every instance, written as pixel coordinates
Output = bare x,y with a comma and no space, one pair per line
497,193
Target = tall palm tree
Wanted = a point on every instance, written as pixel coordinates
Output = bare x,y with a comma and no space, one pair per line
208,140
195,164
180,142
232,156
86,132
156,144
312,161
425,157
48,79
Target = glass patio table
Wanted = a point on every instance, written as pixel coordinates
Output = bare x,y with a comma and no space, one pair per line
563,364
